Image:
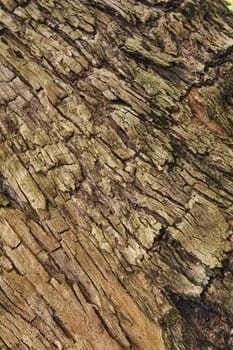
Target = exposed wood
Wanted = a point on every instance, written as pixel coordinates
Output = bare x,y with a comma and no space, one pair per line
116,209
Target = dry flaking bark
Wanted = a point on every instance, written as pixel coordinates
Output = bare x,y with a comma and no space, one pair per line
116,175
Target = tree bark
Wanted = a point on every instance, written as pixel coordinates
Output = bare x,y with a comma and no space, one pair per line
116,175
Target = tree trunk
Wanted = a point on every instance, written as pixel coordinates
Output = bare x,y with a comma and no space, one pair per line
116,175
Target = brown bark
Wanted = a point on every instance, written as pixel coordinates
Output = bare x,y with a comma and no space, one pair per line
116,175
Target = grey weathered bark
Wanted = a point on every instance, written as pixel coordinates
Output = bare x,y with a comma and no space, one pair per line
116,174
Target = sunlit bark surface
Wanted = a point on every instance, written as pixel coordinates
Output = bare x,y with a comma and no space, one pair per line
116,162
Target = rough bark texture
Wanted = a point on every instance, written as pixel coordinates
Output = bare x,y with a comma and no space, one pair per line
116,175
